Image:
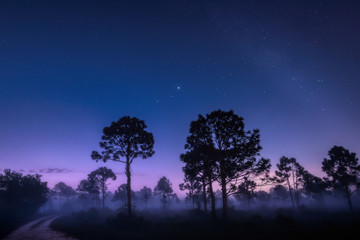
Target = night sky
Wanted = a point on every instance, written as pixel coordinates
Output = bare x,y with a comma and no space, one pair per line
69,68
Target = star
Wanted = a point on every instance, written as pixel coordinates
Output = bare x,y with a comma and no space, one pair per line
178,88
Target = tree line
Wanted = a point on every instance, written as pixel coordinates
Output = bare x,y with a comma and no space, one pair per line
93,192
219,152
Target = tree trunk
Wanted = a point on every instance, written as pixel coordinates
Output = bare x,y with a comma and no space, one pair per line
192,198
212,197
291,195
59,203
103,200
204,195
223,189
297,191
128,187
348,198
103,193
224,199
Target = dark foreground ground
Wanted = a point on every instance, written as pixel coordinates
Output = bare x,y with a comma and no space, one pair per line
38,230
278,224
9,221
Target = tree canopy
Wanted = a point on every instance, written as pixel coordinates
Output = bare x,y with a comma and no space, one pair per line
164,190
343,171
233,151
100,176
145,194
21,194
292,174
63,190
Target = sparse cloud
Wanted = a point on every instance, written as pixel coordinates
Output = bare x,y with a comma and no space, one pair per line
42,170
53,170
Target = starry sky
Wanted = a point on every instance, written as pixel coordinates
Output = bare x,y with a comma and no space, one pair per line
69,68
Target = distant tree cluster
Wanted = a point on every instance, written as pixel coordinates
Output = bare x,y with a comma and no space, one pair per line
92,192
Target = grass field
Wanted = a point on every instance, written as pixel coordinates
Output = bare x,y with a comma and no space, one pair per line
278,224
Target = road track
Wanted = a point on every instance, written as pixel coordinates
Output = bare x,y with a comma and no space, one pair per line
38,230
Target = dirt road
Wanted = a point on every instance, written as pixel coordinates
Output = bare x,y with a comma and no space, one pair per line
38,230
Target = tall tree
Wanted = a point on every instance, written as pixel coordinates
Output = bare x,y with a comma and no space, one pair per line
235,150
343,171
101,176
123,141
291,173
164,190
200,159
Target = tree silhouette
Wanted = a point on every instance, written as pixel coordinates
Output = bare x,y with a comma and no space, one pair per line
63,190
262,196
235,150
120,194
90,187
200,171
193,186
123,141
164,190
343,171
279,192
101,176
145,194
292,174
21,195
314,187
246,190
